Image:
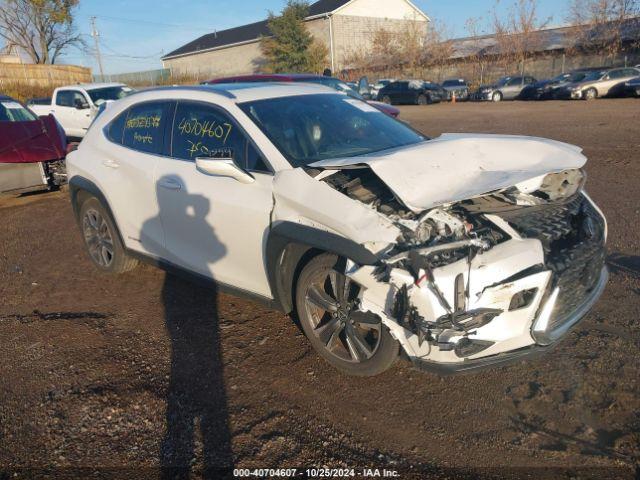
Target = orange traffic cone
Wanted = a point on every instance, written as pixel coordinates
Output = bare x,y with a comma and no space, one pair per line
453,97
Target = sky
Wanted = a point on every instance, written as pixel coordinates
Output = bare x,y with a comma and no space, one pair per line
134,34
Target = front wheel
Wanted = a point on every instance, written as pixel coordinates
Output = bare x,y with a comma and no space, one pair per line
423,100
590,94
353,341
387,99
497,97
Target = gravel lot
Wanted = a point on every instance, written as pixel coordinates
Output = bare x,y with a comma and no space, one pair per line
148,375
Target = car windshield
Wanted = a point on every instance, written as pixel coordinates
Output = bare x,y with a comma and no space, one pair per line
101,95
454,83
310,128
577,77
503,81
12,111
336,84
591,76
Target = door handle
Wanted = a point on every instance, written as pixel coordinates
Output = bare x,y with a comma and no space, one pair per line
110,164
171,184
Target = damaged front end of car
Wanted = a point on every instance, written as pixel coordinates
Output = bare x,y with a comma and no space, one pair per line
479,280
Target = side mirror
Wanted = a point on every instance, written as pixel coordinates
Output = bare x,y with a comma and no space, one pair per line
80,105
223,167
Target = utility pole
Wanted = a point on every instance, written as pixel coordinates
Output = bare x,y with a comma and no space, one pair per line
95,35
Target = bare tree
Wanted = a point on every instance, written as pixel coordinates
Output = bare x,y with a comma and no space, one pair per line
517,33
42,29
479,56
438,48
599,24
411,43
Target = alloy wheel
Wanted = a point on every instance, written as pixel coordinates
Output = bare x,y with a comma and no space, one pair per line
346,332
98,238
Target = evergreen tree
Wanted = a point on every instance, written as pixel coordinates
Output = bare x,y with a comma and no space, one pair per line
291,48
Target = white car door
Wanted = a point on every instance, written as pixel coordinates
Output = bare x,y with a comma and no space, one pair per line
126,170
72,109
215,226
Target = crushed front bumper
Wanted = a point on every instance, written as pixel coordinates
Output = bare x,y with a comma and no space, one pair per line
535,286
555,336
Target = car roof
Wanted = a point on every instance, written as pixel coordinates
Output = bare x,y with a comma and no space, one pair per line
247,92
276,77
94,86
5,97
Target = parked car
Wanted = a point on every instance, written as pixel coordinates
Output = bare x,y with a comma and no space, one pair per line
463,251
32,148
507,88
75,106
599,83
330,82
458,86
546,89
379,85
412,92
632,87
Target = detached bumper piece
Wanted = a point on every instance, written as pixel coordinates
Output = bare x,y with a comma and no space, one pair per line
565,324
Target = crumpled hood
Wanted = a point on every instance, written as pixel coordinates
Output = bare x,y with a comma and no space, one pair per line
457,167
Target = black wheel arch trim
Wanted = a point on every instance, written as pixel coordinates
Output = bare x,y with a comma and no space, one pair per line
289,242
78,184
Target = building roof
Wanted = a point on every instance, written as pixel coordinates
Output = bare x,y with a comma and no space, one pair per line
548,39
247,33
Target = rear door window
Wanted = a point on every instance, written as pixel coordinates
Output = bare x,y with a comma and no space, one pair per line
143,128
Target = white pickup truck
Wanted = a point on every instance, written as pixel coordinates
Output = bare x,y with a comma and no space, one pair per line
75,106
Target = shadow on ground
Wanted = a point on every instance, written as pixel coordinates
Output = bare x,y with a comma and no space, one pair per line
628,264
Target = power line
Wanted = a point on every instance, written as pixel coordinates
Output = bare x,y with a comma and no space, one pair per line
134,57
148,22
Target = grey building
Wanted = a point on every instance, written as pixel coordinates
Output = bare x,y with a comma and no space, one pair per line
344,26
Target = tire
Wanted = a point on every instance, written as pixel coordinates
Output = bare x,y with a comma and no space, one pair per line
387,99
354,342
590,94
496,97
101,239
423,100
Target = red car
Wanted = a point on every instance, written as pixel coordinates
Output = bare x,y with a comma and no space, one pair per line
307,78
32,148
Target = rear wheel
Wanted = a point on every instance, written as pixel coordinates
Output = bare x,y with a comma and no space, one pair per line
387,99
423,100
353,341
590,94
101,239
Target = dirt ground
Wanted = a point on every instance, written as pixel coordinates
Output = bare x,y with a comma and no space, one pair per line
148,375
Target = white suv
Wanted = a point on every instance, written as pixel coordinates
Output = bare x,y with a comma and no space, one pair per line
463,251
